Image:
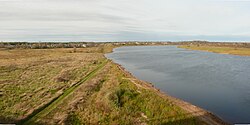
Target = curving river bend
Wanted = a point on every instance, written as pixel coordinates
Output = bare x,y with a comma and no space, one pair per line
216,82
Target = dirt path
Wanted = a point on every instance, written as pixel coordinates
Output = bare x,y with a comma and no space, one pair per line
43,111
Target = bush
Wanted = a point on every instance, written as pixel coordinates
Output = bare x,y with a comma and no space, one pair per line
73,119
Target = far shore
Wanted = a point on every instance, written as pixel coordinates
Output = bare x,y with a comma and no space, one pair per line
233,50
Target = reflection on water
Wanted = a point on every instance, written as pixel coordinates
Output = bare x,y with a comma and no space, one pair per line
216,82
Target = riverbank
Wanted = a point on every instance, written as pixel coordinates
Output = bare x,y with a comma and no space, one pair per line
111,96
219,49
202,115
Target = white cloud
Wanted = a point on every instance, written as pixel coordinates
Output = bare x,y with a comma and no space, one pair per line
110,20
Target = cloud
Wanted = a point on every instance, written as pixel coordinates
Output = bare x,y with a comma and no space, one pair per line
119,20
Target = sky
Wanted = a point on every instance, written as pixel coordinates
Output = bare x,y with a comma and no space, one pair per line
124,20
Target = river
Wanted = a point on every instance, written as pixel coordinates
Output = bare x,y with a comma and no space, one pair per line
219,83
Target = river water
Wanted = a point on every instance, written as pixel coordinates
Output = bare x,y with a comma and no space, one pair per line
218,83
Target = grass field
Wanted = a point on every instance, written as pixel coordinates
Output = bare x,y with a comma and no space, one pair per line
79,86
218,49
31,78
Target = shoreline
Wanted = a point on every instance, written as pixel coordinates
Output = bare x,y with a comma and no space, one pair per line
204,115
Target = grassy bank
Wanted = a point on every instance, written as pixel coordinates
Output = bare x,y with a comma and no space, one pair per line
63,86
113,97
217,49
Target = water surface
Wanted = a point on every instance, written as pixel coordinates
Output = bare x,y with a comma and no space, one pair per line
216,82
